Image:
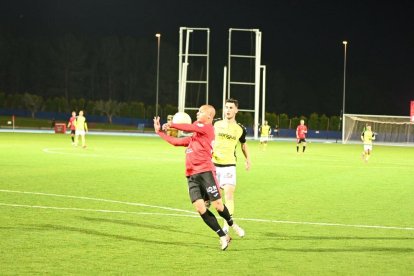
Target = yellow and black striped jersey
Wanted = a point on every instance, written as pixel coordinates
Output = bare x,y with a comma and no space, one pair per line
227,136
81,123
265,130
367,136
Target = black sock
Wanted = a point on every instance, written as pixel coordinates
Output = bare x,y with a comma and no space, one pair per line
73,139
212,222
303,149
297,148
226,215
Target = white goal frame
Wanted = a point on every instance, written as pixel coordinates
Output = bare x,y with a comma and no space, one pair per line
389,130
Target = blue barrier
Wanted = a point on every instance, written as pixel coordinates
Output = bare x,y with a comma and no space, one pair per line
312,134
61,116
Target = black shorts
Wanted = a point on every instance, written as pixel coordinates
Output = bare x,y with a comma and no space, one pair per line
301,140
203,186
72,131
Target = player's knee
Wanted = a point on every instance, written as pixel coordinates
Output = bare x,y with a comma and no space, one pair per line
229,196
200,206
218,205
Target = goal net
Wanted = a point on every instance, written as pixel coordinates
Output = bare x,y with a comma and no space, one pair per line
390,130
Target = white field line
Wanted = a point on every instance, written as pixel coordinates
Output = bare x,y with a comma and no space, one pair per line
329,224
189,213
102,200
61,151
56,151
382,165
94,210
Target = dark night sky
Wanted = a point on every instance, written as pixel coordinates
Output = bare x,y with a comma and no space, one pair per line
301,39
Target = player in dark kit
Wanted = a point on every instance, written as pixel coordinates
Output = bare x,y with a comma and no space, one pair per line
72,126
301,132
200,171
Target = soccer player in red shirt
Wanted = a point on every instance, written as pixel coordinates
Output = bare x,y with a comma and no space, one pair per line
301,131
200,170
72,126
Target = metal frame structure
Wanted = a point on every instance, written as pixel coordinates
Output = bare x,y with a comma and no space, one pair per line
256,83
183,65
263,68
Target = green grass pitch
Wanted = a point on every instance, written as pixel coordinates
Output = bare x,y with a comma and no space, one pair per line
121,207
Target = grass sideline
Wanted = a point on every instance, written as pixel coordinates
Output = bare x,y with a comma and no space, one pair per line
121,207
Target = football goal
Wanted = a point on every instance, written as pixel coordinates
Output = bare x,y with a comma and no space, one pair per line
390,130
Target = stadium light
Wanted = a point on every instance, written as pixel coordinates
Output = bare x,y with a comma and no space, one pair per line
158,36
343,93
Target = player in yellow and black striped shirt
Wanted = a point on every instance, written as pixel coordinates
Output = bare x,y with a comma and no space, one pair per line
265,131
81,129
367,136
228,133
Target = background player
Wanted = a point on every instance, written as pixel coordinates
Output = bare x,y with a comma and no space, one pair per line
200,171
72,126
81,129
301,132
367,136
228,134
265,131
171,131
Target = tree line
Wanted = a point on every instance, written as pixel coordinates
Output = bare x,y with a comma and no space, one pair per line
139,110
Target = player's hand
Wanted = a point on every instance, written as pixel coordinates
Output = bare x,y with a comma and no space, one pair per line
248,164
166,126
157,125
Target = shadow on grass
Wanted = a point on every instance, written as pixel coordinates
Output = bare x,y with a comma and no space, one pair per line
313,249
141,225
159,227
108,235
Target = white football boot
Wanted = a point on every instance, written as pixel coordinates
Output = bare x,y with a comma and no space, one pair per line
239,231
224,241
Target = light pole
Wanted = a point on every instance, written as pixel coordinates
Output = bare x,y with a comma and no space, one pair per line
343,93
158,36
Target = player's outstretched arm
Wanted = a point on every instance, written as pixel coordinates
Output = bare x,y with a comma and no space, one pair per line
190,128
172,140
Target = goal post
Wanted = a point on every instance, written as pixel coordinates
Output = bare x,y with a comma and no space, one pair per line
389,130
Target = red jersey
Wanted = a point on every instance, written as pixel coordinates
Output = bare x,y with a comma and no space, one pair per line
301,132
72,123
199,146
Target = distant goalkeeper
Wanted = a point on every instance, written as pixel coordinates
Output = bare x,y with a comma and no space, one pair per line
367,136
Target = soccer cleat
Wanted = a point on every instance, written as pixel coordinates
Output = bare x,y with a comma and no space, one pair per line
224,241
239,231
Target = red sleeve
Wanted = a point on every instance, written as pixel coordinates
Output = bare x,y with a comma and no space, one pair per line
195,127
175,141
